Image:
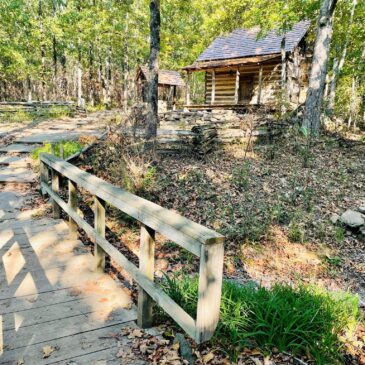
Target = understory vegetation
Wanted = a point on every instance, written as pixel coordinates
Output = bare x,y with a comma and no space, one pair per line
303,320
275,211
69,148
21,116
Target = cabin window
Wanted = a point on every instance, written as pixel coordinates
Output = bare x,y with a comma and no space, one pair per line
246,88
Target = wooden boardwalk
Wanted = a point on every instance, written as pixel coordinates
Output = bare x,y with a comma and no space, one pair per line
55,307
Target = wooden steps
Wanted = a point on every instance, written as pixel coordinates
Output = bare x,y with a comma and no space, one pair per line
14,161
18,148
16,174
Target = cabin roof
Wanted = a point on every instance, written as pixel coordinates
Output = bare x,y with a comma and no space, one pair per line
245,43
165,77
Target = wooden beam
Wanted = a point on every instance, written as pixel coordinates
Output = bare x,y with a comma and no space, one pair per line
99,224
163,300
56,189
187,96
210,288
72,202
181,230
174,98
147,267
212,100
208,65
237,86
260,85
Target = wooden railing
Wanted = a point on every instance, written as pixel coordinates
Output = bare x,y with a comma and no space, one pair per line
202,242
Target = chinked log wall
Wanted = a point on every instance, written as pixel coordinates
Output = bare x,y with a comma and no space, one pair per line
225,82
200,241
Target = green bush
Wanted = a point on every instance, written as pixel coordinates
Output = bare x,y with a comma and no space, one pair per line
241,175
301,320
69,148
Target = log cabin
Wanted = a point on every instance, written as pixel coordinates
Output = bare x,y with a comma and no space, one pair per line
243,69
168,84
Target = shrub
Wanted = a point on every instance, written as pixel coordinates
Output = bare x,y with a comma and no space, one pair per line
241,175
302,320
69,148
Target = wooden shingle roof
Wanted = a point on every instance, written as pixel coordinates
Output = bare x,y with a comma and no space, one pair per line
244,43
165,77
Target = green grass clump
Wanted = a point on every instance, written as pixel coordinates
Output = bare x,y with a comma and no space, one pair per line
24,116
69,148
301,320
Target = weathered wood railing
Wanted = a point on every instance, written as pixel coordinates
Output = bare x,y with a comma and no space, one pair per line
201,241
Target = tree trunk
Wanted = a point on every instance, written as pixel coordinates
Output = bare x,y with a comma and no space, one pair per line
79,78
338,65
43,52
352,114
152,95
313,104
91,76
126,67
55,56
283,74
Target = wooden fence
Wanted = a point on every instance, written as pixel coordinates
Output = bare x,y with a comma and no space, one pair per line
201,241
36,106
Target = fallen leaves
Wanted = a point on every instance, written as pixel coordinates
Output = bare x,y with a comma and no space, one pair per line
48,351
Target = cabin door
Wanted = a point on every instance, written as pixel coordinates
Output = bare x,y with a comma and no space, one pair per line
246,89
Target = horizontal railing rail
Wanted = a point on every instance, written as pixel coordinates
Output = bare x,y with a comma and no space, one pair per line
201,241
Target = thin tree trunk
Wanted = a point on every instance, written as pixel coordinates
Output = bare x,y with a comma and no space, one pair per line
126,67
55,56
283,74
152,95
338,65
312,112
91,83
29,89
43,53
352,114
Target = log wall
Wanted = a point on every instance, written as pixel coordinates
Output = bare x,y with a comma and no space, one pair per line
298,65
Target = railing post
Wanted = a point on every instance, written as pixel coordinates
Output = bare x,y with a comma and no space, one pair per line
72,202
62,153
210,288
99,225
147,267
44,174
56,188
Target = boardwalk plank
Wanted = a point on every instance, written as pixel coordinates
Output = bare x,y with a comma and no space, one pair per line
83,348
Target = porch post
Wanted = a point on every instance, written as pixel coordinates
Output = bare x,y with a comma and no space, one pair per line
187,96
260,86
213,88
174,98
237,86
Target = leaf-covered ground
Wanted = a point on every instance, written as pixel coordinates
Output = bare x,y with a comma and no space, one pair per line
275,213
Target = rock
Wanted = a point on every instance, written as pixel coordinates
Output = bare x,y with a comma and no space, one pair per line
352,219
362,209
334,218
185,348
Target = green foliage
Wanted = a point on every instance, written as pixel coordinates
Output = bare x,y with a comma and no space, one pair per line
23,116
301,320
339,234
241,175
69,148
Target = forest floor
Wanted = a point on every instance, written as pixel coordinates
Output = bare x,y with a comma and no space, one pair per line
276,214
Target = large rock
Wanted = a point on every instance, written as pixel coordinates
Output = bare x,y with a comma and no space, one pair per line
352,219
